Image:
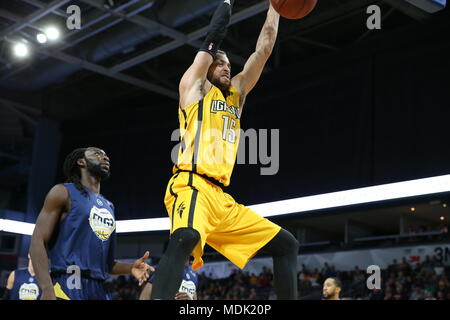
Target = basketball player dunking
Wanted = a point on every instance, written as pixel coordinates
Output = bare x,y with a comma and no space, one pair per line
77,225
200,211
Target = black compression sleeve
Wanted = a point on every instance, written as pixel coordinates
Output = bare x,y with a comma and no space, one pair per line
217,28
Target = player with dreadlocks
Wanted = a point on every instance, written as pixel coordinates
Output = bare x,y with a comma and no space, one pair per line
76,230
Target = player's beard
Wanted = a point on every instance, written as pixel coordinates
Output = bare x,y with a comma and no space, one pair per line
330,295
224,87
96,170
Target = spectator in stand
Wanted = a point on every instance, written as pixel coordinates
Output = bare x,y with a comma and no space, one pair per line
393,267
410,230
253,295
417,294
429,295
332,273
265,278
399,291
376,294
315,277
358,276
440,295
405,267
442,227
253,279
431,283
272,295
443,284
345,276
439,268
305,279
401,277
326,270
388,295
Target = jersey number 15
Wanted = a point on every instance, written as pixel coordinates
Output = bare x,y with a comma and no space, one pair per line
229,133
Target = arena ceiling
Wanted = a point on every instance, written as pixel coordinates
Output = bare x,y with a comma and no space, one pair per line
139,49
142,47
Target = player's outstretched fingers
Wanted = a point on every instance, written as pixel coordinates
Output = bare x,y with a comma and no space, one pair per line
145,256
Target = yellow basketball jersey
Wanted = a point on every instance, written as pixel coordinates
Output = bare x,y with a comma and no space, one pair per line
209,133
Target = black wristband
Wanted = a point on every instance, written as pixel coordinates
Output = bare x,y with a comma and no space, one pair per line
217,28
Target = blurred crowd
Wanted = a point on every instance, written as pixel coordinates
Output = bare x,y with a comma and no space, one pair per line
411,231
427,280
238,286
124,288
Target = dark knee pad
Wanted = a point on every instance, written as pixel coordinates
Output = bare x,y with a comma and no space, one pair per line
185,238
282,244
289,241
284,249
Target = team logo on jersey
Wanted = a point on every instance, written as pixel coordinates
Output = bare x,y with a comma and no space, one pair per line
220,105
102,223
188,287
99,202
28,291
181,208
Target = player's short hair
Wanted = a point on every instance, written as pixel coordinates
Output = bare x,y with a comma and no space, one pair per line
221,52
337,282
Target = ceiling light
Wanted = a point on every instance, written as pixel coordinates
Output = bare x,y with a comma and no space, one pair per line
21,50
41,38
52,33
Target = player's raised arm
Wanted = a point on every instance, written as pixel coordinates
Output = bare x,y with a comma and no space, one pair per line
55,204
247,79
193,81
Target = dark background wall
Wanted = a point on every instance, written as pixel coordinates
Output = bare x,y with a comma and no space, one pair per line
372,114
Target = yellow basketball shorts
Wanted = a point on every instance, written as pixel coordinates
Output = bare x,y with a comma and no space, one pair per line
237,232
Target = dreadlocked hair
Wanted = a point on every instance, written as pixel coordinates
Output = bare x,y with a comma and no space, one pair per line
72,170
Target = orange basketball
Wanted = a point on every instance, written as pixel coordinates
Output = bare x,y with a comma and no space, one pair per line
293,9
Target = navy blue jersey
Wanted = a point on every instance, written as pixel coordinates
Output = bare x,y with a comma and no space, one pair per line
189,283
25,286
86,236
